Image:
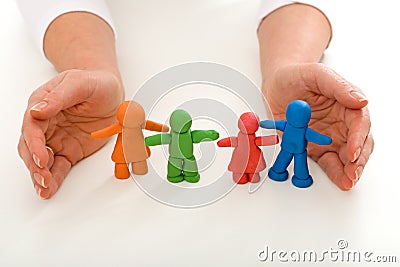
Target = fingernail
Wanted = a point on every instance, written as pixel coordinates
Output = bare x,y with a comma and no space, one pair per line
358,96
39,106
356,154
359,171
36,160
39,179
38,190
346,184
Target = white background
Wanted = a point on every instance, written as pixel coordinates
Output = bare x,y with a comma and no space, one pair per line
96,220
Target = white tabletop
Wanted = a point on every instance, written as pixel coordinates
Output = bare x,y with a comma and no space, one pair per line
97,220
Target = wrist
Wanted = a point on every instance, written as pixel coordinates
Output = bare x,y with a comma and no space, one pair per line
290,35
81,40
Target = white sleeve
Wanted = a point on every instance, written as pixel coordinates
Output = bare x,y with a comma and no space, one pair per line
38,14
269,6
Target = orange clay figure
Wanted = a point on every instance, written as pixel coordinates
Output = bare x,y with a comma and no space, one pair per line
130,147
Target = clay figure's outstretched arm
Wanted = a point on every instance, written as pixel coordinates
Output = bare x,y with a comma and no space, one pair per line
158,139
269,124
228,142
267,140
115,128
316,137
155,126
204,135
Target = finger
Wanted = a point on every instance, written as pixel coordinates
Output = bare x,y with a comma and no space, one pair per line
50,153
74,87
43,90
38,175
39,189
59,171
33,134
332,85
354,170
32,129
334,168
359,124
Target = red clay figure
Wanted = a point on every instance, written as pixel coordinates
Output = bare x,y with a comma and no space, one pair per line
247,158
130,147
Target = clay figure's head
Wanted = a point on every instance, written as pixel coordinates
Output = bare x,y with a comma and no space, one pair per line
298,113
248,123
180,121
131,114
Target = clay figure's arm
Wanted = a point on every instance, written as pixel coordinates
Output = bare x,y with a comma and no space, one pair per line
115,128
204,135
269,124
155,126
158,139
316,137
228,142
267,140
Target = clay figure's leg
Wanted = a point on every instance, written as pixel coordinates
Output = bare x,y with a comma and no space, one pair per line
254,177
139,167
240,178
121,171
175,170
301,177
278,171
190,171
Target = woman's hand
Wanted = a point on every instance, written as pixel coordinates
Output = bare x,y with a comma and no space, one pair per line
61,114
338,110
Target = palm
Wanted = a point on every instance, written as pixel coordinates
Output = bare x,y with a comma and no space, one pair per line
329,117
68,134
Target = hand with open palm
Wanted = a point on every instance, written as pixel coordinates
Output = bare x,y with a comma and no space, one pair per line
58,121
338,110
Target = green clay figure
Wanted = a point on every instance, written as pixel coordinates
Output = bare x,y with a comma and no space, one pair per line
181,163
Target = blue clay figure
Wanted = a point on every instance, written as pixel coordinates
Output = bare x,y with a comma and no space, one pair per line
296,135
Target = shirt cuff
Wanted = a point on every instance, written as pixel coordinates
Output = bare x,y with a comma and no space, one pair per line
39,14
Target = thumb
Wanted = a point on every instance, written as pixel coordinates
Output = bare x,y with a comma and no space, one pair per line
334,86
74,87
